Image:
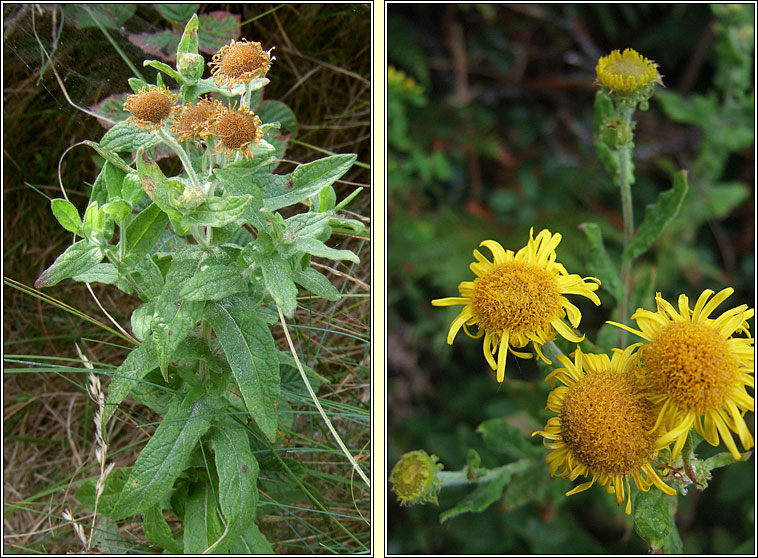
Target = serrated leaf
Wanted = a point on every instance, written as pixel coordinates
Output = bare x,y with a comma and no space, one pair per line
485,494
142,234
175,318
66,214
214,282
599,263
77,259
110,16
277,276
126,136
217,29
202,526
657,216
178,13
252,541
317,248
309,179
217,212
501,436
164,457
136,366
237,477
105,273
157,530
654,516
161,43
316,283
251,352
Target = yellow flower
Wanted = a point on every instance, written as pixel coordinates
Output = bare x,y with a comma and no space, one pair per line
603,427
240,62
695,371
628,74
239,130
195,119
151,107
414,478
518,298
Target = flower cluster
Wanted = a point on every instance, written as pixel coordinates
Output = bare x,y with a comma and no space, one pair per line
230,130
613,415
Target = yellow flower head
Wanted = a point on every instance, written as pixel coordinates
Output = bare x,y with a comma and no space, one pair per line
604,426
518,298
151,107
193,120
238,131
240,62
414,478
628,74
695,370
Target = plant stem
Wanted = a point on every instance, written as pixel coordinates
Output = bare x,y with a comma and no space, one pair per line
179,150
625,160
458,478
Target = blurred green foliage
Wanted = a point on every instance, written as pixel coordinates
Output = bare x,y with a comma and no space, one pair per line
490,119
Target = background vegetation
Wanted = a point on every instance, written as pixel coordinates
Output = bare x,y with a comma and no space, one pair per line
322,72
492,135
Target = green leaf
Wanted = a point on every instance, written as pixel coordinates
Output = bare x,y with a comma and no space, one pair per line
309,179
218,29
178,13
501,436
237,477
279,282
214,282
142,234
657,217
136,366
599,263
110,16
148,277
112,488
723,197
485,494
316,283
77,259
111,157
114,178
126,136
252,541
175,318
251,352
165,456
157,530
217,212
188,43
202,526
165,68
67,214
317,248
157,186
131,189
673,543
119,210
654,516
105,273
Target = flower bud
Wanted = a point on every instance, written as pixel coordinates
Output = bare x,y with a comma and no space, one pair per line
414,478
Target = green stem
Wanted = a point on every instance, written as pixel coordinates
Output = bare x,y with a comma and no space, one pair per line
458,478
179,150
625,161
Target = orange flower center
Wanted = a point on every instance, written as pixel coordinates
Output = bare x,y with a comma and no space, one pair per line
243,58
516,296
236,130
604,422
152,106
691,363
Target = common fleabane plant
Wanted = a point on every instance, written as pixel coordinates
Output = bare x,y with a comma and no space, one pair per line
214,263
